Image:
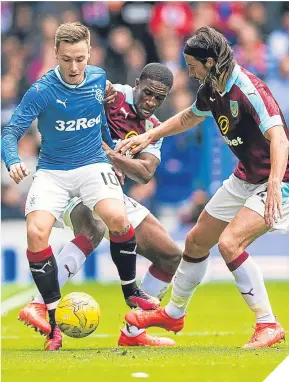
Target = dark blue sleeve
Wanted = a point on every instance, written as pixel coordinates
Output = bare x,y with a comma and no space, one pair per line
105,130
32,104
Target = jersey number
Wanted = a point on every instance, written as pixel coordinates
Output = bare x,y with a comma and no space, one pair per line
109,178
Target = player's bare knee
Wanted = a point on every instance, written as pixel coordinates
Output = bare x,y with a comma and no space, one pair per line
37,232
118,223
84,224
228,247
94,233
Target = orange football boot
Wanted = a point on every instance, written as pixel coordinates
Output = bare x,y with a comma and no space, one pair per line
53,340
265,335
144,339
157,317
34,314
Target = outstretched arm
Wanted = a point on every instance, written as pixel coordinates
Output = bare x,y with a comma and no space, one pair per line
181,122
28,110
279,158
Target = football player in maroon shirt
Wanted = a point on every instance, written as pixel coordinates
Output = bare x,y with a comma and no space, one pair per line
255,198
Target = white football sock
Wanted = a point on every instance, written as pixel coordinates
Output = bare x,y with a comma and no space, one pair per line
250,282
188,276
69,261
155,288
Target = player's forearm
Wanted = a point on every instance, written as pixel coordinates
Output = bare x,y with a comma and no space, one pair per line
279,158
179,123
9,149
135,169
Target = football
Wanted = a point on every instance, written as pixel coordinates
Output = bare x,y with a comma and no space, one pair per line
77,314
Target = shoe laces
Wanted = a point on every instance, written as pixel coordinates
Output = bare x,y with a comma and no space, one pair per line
140,293
40,310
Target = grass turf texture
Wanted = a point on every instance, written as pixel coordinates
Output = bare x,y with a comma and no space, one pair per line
218,322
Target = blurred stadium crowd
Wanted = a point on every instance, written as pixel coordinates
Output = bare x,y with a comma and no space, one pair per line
126,36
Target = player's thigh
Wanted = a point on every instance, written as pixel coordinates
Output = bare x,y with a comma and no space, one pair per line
204,235
100,191
256,202
135,212
83,223
155,244
228,199
246,227
47,194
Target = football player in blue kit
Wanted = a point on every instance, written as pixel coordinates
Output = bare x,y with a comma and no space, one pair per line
130,111
68,103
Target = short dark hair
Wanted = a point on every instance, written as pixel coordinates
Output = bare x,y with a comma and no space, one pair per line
158,72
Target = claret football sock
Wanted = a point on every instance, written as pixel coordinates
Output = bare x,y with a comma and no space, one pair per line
249,280
188,276
156,282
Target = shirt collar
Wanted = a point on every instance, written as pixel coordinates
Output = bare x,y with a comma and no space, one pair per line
129,96
57,72
233,77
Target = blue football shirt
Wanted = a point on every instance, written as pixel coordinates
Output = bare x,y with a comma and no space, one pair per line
71,120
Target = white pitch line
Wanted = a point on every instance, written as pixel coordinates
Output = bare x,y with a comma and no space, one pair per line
17,300
183,334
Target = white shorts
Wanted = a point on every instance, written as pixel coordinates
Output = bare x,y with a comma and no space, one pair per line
136,213
51,190
236,193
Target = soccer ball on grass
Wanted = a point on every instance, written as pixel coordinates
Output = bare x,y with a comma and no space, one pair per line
77,314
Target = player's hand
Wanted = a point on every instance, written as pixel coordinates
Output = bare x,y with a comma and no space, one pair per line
18,171
110,93
134,144
111,154
273,205
119,173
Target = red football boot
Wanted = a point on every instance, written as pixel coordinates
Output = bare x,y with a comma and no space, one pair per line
265,335
142,300
53,340
34,314
157,317
144,339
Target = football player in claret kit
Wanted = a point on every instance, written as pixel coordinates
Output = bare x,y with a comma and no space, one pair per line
132,112
68,103
253,201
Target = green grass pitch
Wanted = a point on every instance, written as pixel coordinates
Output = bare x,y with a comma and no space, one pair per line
208,349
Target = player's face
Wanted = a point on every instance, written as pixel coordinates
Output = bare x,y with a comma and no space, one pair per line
72,60
197,69
148,97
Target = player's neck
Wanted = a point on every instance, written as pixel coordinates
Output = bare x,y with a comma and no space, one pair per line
76,83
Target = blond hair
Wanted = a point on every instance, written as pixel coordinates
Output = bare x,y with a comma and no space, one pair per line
72,33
